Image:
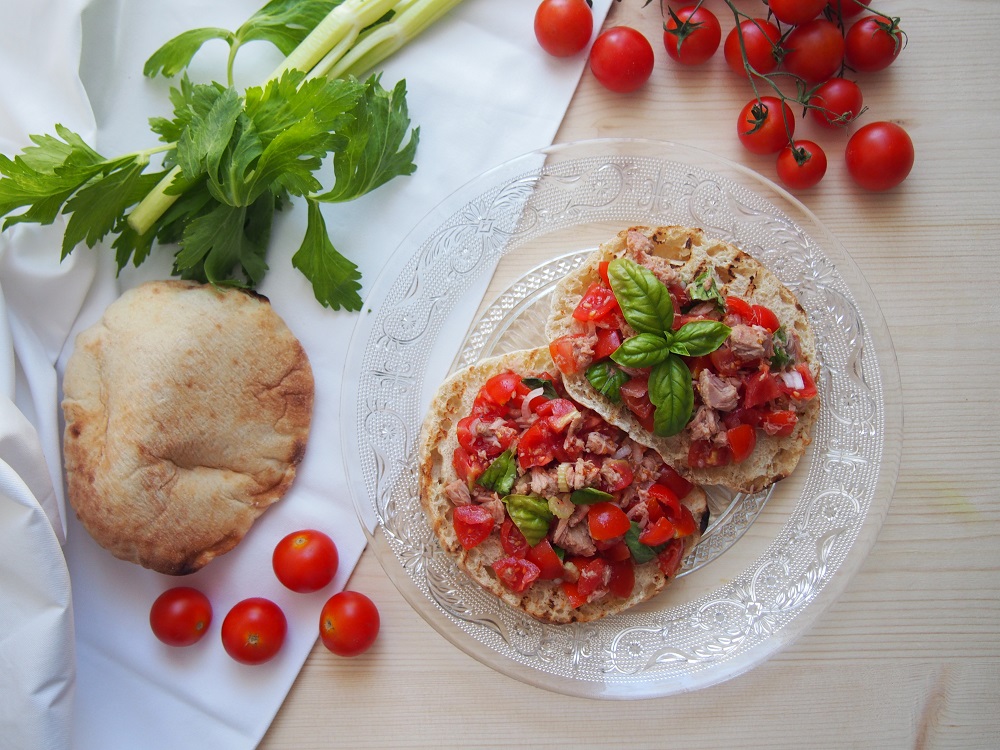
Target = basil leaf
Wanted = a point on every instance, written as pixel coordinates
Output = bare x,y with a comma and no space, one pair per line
500,475
671,392
641,553
697,338
607,380
531,515
589,496
644,300
704,289
781,358
548,390
643,350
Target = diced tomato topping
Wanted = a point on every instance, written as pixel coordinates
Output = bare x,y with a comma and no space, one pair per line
723,361
563,354
467,466
635,394
760,388
595,575
496,392
752,417
697,364
597,302
617,473
504,434
572,591
473,524
512,540
742,439
602,270
670,558
808,389
665,494
657,533
548,562
665,504
780,423
674,481
741,308
622,578
516,573
536,446
614,550
684,523
764,317
704,455
556,407
608,341
678,294
607,521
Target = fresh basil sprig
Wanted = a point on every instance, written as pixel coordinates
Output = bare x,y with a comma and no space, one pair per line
645,302
589,496
500,475
548,390
641,553
531,515
607,380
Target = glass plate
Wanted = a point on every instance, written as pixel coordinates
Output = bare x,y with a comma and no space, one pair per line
473,280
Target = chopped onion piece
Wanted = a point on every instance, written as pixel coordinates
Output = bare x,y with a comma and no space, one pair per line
526,403
793,380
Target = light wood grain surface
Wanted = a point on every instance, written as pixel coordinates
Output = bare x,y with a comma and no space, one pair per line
909,655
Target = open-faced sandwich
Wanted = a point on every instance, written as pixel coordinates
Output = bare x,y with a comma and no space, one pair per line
544,503
696,349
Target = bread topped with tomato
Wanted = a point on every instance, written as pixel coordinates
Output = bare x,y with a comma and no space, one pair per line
696,349
544,503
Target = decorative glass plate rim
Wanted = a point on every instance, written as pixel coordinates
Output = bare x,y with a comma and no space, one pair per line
523,649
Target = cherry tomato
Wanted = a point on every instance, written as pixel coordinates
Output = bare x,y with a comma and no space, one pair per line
764,316
536,446
544,556
801,166
563,27
808,389
180,616
847,8
607,521
671,480
691,35
595,576
836,102
705,455
254,631
635,395
760,39
879,156
473,524
496,393
657,533
780,422
670,558
305,561
872,43
622,578
814,51
621,59
597,303
348,623
468,466
516,573
608,341
563,353
760,126
796,12
512,540
742,440
760,388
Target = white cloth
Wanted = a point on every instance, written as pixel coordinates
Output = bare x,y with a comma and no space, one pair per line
87,672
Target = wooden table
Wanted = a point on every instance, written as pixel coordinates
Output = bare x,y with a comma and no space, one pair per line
909,655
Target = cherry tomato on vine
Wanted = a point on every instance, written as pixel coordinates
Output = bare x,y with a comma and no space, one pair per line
839,101
180,616
254,631
349,623
872,43
796,12
801,165
621,59
847,8
563,27
691,35
814,51
760,126
760,39
305,561
879,156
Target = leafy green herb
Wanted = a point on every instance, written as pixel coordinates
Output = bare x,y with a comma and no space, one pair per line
698,337
548,390
672,394
780,359
531,515
644,300
500,475
642,350
589,496
641,553
607,380
705,289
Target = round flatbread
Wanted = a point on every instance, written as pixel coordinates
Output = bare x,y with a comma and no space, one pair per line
187,410
687,254
545,600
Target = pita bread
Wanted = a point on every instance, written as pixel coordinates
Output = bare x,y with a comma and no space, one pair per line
690,252
187,411
544,600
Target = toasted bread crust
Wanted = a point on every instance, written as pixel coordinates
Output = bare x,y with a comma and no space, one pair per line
690,252
545,600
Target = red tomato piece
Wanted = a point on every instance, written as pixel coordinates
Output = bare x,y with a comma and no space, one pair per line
723,361
468,466
602,270
572,592
618,473
814,51
615,550
808,389
704,455
497,392
873,43
622,579
563,352
801,165
305,561
657,533
691,35
742,439
670,558
879,155
795,12
544,556
621,59
761,38
254,631
741,308
597,302
760,388
607,521
595,575
180,616
766,125
563,27
673,481
635,395
847,8
764,317
536,446
780,422
516,573
512,540
836,103
556,410
349,623
473,524
608,341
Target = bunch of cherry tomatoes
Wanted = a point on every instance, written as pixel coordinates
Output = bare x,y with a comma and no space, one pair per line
797,52
254,630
